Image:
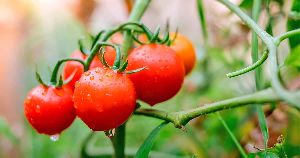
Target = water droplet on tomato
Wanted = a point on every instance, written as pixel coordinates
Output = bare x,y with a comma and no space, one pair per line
87,73
38,108
110,133
92,78
97,70
54,137
89,97
77,84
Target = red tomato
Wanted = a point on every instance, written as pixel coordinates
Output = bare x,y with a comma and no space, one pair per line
163,75
72,67
50,110
185,50
104,99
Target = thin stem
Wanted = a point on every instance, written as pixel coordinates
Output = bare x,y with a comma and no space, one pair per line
135,16
270,43
53,79
258,74
286,35
118,141
250,67
236,142
181,118
202,21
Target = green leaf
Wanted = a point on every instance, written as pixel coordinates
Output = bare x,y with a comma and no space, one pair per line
294,58
263,124
146,147
294,23
6,132
234,139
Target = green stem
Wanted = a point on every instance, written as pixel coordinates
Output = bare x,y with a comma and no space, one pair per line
236,142
258,74
96,49
135,16
270,43
118,141
179,119
53,79
286,35
250,67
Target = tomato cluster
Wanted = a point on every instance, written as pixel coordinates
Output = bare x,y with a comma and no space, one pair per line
105,96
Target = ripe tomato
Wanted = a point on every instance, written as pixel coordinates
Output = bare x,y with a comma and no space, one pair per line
163,75
49,110
74,67
104,99
185,50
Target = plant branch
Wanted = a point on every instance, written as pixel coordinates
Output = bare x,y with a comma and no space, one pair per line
250,67
135,16
180,119
286,35
289,97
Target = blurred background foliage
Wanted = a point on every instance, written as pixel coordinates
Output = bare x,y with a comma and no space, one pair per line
36,33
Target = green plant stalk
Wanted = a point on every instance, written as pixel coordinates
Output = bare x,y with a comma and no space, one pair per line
258,74
286,35
205,61
135,16
118,141
53,79
137,12
179,119
236,142
289,97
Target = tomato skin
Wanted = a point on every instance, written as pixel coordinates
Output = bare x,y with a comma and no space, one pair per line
77,68
163,76
49,110
185,50
104,99
74,67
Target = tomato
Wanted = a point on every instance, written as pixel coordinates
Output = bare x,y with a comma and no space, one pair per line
163,75
185,50
50,110
104,99
76,68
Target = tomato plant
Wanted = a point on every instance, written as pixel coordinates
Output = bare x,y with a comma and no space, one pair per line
150,66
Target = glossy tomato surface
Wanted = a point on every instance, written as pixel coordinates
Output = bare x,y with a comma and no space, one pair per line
163,76
185,50
49,110
75,68
104,99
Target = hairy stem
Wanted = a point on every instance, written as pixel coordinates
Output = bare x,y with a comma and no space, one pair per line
289,97
179,119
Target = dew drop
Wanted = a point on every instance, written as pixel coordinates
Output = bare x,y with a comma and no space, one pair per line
89,97
77,84
87,73
38,108
97,70
110,133
54,137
